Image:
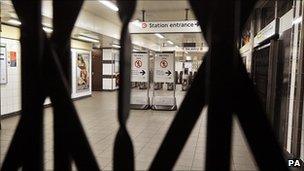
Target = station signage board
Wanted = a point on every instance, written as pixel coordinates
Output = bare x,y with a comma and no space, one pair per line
3,64
270,30
140,70
185,26
164,67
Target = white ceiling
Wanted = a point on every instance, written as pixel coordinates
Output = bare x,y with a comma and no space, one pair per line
177,39
156,10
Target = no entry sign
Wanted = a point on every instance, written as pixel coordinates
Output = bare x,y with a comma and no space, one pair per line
140,67
164,67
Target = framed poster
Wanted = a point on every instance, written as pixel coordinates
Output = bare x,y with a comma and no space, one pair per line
3,64
83,65
12,58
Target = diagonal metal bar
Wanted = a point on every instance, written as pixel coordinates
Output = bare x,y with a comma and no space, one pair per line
255,124
29,130
75,141
123,148
222,46
51,74
63,24
219,145
183,123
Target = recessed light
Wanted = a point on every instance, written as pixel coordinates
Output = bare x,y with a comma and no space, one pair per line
109,4
170,42
116,46
297,20
85,38
14,21
159,35
47,29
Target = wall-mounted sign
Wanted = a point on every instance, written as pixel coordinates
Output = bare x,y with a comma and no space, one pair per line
164,67
3,65
186,26
140,70
270,30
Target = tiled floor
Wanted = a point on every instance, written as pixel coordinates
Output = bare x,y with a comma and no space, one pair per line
147,129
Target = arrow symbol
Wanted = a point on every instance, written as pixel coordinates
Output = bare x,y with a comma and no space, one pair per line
142,72
168,72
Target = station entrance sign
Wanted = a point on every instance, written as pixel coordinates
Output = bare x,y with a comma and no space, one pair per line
188,26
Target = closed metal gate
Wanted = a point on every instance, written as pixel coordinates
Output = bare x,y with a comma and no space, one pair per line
222,83
260,72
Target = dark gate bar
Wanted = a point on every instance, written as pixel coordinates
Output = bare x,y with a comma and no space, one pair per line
222,84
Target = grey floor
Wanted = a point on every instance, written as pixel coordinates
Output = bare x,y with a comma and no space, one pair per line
147,129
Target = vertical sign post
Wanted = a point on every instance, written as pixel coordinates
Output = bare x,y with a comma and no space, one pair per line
140,80
164,82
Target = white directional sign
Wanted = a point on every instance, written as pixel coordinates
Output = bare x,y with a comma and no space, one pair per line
140,67
185,26
164,67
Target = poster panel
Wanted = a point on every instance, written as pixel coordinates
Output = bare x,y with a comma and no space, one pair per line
12,58
82,72
3,64
164,67
140,70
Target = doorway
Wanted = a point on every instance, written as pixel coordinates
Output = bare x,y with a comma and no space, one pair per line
96,70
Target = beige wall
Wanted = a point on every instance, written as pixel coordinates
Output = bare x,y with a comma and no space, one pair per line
10,32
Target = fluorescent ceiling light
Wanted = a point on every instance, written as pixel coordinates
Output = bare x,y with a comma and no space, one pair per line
137,23
47,29
135,50
117,46
188,58
297,20
186,52
109,4
14,22
170,42
176,46
159,35
87,39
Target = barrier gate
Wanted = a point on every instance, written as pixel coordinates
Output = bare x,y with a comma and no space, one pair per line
222,83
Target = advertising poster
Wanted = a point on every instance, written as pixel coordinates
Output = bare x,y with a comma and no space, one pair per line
140,72
82,72
13,59
164,67
3,64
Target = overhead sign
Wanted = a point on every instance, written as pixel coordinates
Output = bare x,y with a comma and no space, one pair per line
270,30
185,26
140,67
195,49
164,67
3,65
